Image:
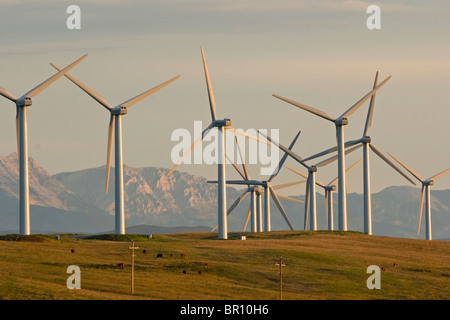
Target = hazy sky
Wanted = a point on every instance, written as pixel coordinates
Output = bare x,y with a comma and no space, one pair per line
316,52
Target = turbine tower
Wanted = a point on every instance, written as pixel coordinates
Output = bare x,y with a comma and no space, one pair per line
339,122
115,128
22,104
368,145
221,126
426,184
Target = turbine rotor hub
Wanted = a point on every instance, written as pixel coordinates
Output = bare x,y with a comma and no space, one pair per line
119,110
341,121
367,139
24,102
222,123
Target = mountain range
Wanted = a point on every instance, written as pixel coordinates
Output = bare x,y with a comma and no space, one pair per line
76,202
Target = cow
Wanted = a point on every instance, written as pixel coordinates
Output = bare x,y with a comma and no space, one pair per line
159,255
72,250
144,251
184,271
199,272
184,255
120,265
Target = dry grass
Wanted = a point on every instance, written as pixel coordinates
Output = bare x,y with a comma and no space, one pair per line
319,265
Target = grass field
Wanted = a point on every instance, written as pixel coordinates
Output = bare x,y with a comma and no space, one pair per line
319,265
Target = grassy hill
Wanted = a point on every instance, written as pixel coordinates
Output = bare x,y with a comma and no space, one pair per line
319,265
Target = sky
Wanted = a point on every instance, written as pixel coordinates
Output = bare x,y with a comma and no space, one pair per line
320,53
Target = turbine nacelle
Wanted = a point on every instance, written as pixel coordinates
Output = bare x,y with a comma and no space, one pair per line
330,188
221,123
366,139
119,110
428,183
24,102
312,169
341,121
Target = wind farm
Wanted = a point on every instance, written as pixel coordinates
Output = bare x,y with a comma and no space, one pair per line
261,201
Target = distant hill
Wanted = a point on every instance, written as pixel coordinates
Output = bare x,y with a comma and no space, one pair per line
76,202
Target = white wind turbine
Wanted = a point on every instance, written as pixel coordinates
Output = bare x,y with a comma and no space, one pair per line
253,188
310,196
221,126
328,189
115,128
368,145
426,184
22,104
339,122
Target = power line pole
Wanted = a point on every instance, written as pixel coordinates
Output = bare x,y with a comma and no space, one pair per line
132,266
281,265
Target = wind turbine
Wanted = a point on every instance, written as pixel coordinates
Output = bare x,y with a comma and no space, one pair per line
22,104
339,122
310,196
253,188
115,128
221,126
328,189
426,184
368,145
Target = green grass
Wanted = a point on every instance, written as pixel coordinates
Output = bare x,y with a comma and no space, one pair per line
319,265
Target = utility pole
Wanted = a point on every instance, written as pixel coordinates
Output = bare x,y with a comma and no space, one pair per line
281,265
132,266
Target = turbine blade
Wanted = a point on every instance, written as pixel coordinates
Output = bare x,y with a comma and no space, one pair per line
86,89
7,95
333,149
371,107
196,142
244,134
236,167
244,165
286,185
332,182
247,217
334,158
298,172
238,200
420,207
109,150
439,174
145,94
283,159
382,156
315,111
212,101
280,207
52,79
279,145
407,168
289,198
363,99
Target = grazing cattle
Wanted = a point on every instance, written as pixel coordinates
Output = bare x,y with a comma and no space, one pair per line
120,265
206,265
159,255
199,272
383,269
144,251
72,250
184,271
184,255
171,255
395,265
